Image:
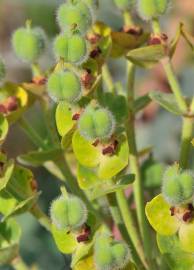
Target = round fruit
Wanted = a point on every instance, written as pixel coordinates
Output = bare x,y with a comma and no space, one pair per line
28,43
76,15
123,4
72,48
64,85
96,123
178,188
68,213
149,9
110,254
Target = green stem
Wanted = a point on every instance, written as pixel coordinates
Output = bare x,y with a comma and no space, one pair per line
174,84
128,20
156,26
129,224
41,217
187,135
192,106
106,75
135,169
166,63
19,264
116,215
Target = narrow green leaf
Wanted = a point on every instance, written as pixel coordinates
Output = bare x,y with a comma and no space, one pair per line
146,56
38,158
140,103
167,101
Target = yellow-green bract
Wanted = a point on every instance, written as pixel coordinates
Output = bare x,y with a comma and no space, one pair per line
64,85
96,123
76,15
149,9
28,43
110,254
72,48
178,187
68,213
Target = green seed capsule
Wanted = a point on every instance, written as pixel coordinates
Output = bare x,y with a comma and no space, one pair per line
73,48
149,9
178,188
28,44
2,70
123,4
110,254
96,123
64,85
77,15
68,213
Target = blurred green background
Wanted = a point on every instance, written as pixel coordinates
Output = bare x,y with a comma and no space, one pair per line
155,126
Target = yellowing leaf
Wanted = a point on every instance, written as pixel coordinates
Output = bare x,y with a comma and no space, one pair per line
65,241
85,152
111,165
64,120
186,236
158,214
86,264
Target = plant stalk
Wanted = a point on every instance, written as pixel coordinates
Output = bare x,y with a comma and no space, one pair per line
130,225
187,136
106,75
42,218
134,167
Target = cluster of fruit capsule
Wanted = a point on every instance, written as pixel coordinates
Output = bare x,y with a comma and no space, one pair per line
178,191
69,213
147,9
66,83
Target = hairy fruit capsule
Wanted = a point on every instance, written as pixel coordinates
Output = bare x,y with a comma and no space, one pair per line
178,188
123,4
110,254
96,123
75,15
149,9
28,43
68,213
72,48
64,85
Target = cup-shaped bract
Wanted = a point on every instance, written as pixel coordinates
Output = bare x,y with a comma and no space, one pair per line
76,15
68,213
110,254
96,123
178,188
149,9
64,85
2,70
72,48
123,4
28,43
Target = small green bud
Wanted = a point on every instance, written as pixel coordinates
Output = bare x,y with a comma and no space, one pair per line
110,254
28,43
123,4
96,123
75,15
177,188
2,70
64,85
68,213
149,9
72,48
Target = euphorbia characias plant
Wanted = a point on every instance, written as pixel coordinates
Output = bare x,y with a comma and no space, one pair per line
91,144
